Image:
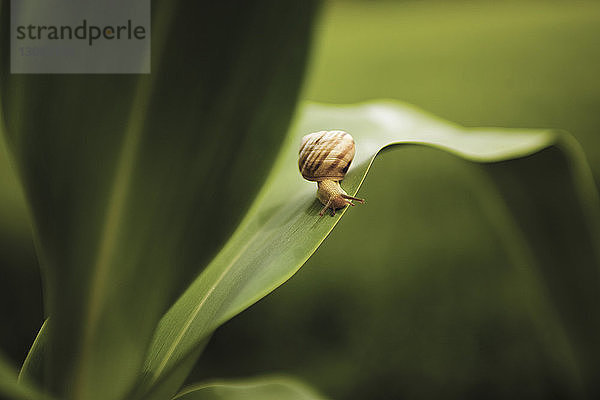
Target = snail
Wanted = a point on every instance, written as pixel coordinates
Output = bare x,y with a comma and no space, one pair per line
325,157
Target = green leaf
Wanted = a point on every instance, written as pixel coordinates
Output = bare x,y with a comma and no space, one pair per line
14,390
283,228
172,381
32,369
135,181
436,288
266,388
13,212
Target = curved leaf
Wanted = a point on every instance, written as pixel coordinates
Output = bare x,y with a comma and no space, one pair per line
268,388
32,369
283,228
119,173
16,390
438,289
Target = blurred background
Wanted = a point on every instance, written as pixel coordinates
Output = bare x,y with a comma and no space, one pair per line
416,294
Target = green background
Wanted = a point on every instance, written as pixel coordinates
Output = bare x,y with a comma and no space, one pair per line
415,295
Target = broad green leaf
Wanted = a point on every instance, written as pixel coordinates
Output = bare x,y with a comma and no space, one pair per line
14,390
436,289
172,381
135,181
20,291
283,228
13,212
267,388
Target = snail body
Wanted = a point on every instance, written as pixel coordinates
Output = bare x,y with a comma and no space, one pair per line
325,157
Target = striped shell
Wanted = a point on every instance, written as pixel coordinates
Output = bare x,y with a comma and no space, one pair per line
325,155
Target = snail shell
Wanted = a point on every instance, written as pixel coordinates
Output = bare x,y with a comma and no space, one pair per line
326,155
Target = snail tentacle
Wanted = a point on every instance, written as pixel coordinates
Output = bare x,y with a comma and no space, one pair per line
361,201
